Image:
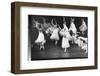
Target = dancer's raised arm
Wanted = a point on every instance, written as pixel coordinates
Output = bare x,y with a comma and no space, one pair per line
44,20
72,19
34,22
37,24
64,20
52,22
64,24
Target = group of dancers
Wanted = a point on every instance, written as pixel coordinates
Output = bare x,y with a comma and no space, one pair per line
54,31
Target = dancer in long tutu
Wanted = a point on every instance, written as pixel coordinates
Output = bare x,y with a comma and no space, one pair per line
73,30
66,36
40,39
72,26
83,27
54,30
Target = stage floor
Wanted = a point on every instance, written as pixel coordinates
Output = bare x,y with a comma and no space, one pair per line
56,52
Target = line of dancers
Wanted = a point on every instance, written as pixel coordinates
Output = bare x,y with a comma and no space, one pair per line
54,31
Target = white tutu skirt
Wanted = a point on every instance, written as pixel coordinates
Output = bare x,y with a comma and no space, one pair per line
54,35
65,33
73,28
84,47
65,39
40,38
83,27
65,42
79,42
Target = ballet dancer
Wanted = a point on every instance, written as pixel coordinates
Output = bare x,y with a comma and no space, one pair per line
54,29
40,39
83,27
66,37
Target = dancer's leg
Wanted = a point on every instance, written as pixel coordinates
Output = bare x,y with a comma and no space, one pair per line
40,46
56,41
43,45
65,49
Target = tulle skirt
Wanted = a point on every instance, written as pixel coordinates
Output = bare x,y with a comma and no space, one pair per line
84,47
54,35
65,42
40,38
83,28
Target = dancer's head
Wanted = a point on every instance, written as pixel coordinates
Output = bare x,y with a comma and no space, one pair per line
72,19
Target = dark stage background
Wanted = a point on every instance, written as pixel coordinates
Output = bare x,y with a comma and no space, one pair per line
51,51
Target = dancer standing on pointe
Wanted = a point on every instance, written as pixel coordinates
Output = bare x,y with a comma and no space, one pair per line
66,36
